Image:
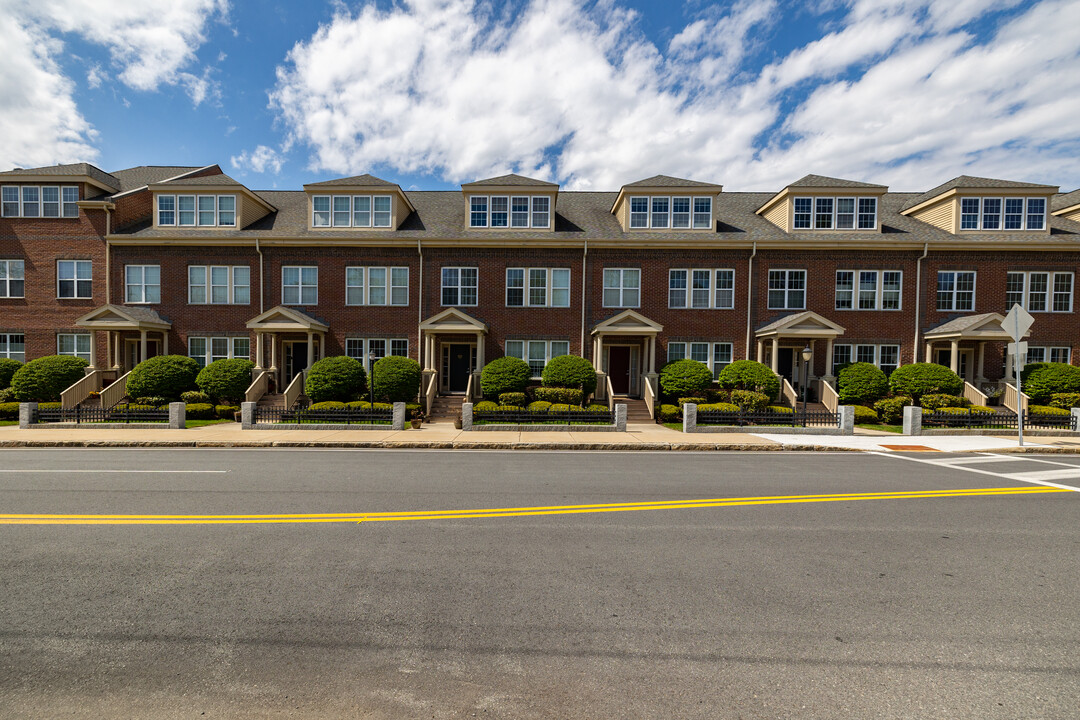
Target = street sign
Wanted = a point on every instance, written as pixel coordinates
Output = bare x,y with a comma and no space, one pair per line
1019,349
1017,322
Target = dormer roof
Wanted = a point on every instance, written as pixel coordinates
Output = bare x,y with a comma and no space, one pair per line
663,181
220,180
81,172
364,180
511,180
969,182
823,183
1065,202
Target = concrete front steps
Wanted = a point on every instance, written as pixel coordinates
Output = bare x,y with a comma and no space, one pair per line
446,409
637,411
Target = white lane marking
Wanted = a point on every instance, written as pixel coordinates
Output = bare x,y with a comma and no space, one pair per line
979,459
976,470
126,470
1045,475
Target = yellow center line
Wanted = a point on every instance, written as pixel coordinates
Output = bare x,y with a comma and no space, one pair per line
78,519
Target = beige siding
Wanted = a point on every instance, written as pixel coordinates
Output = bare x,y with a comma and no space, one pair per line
1074,215
778,214
249,210
942,215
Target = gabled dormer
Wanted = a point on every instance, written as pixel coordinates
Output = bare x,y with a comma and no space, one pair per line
360,202
1066,205
816,203
210,202
52,192
510,202
968,204
665,203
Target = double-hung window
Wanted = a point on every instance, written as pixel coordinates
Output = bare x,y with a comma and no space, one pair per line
823,213
361,348
702,213
142,283
680,213
803,213
9,207
45,201
1039,291
219,284
529,287
537,353
639,212
74,279
31,201
1008,213
300,285
459,286
676,212
622,287
358,211
11,279
834,213
886,357
787,289
956,291
877,289
201,210
76,344
715,355
701,288
1049,354
13,346
205,350
515,211
374,280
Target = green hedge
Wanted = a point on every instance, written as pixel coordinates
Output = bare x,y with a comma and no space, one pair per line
936,401
749,400
396,379
891,410
865,415
692,401
194,396
335,378
163,376
226,379
1040,381
860,383
226,412
485,406
685,378
7,369
570,371
9,411
718,407
750,375
918,379
503,375
568,396
1048,410
669,413
598,409
539,407
327,405
43,379
199,411
783,409
513,398
1065,400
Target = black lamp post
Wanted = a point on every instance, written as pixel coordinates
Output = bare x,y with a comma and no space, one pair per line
807,353
371,381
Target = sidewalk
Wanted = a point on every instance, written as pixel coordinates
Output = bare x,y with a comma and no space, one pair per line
442,436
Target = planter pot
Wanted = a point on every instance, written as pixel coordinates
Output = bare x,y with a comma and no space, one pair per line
416,423
457,424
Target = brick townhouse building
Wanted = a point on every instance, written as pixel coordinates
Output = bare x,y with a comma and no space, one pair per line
117,267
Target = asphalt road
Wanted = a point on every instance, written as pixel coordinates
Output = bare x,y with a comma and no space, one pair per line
931,605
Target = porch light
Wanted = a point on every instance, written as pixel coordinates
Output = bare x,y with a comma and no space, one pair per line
807,353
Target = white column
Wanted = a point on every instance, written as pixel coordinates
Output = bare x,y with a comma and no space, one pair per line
1009,366
829,357
258,351
118,355
322,346
652,354
775,354
980,376
108,349
164,342
929,352
760,351
954,355
479,351
310,348
598,360
142,346
93,351
273,352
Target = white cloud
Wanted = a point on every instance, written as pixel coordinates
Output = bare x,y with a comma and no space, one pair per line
898,92
262,159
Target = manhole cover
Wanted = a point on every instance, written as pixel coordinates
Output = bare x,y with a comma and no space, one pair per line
910,448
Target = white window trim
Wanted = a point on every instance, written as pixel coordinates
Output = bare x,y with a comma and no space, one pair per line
974,290
76,296
525,349
670,212
549,274
510,212
855,221
690,288
459,286
365,296
1051,275
87,355
879,291
712,345
300,299
142,285
622,289
41,202
7,346
208,270
352,211
176,210
6,282
1001,215
209,354
787,275
365,345
853,348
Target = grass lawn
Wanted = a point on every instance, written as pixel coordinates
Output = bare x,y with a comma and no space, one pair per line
674,426
887,428
201,423
5,423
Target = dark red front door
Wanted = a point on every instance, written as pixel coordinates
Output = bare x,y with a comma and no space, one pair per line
619,369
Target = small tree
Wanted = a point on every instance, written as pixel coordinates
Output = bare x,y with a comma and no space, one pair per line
163,376
226,379
1041,380
335,378
570,371
684,378
7,369
918,379
505,374
396,379
43,379
749,375
860,383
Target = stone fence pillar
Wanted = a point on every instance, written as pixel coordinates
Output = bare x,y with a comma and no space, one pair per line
27,414
913,420
466,416
399,416
689,418
177,416
620,417
847,419
247,415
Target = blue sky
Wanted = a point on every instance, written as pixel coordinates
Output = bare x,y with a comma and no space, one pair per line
433,93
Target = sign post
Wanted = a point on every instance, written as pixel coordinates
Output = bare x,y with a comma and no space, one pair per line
1016,324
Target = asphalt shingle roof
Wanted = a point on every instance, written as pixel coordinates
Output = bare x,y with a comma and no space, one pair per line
143,175
68,170
668,181
357,180
830,182
967,181
960,324
1065,200
511,180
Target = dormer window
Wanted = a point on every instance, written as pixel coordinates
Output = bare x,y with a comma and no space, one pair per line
500,211
192,210
1002,213
46,201
675,212
351,211
834,213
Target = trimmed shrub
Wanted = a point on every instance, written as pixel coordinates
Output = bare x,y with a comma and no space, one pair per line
861,383
1042,380
43,379
1047,410
226,379
684,378
1065,400
7,395
335,378
749,400
396,378
163,376
918,379
715,395
513,398
484,406
891,410
597,409
503,375
414,410
694,400
559,408
865,415
226,412
199,411
511,408
750,375
152,400
7,369
358,405
9,411
539,407
120,406
784,409
670,413
570,371
566,396
943,401
718,407
947,411
327,405
194,396
981,409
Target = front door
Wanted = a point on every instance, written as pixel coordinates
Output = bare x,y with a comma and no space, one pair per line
785,363
459,366
619,369
944,357
295,359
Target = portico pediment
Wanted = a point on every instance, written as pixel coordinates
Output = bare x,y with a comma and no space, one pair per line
628,322
120,317
452,320
986,326
806,324
286,319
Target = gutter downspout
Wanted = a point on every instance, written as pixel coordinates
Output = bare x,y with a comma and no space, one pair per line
420,311
918,301
584,273
749,298
262,284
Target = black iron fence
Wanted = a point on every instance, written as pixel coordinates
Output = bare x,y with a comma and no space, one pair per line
330,416
1054,421
103,415
793,419
981,420
511,417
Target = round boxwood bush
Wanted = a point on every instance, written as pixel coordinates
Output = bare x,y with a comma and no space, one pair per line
199,411
539,407
918,379
396,378
43,379
1065,400
164,376
570,371
865,415
750,401
685,378
335,378
568,396
226,379
860,383
891,410
513,398
750,375
503,375
1042,380
7,369
935,401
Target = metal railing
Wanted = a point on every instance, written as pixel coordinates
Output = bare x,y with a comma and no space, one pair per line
1010,400
1055,421
609,392
335,416
469,389
828,396
513,417
793,419
295,390
650,395
974,395
429,394
258,387
103,415
115,392
979,419
81,389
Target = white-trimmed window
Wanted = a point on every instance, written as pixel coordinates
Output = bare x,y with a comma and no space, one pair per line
201,210
1007,213
45,201
360,348
74,279
1039,291
358,211
955,291
374,280
834,213
300,285
12,282
219,284
516,211
787,289
13,345
76,344
142,283
459,286
622,287
205,350
886,357
537,353
700,288
1049,354
537,287
715,355
877,289
678,212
